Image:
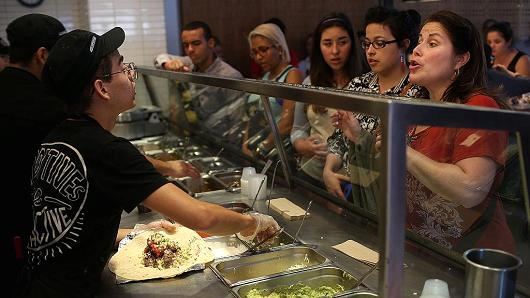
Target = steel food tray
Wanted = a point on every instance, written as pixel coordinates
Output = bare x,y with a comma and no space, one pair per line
316,277
232,179
238,207
225,246
197,186
284,239
211,163
252,268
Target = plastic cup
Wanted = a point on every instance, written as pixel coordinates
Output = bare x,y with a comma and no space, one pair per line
435,288
254,182
247,171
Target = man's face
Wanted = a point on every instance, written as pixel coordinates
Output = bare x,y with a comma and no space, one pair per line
196,46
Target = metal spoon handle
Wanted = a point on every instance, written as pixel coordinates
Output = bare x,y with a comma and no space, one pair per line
266,167
257,193
303,220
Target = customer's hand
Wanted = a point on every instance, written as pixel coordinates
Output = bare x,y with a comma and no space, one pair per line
313,146
345,121
265,226
181,168
175,65
332,181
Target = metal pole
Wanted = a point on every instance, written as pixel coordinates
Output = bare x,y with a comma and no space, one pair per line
277,139
392,216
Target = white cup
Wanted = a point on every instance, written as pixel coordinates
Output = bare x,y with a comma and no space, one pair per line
435,288
247,171
254,182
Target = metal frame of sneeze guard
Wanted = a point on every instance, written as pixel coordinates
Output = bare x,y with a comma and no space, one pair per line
400,114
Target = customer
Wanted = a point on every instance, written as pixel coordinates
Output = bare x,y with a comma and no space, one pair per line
389,34
29,111
507,59
335,61
269,49
200,57
98,175
453,173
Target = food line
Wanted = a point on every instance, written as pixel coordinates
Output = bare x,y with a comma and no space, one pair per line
323,229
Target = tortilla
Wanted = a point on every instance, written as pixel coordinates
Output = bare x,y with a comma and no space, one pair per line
128,263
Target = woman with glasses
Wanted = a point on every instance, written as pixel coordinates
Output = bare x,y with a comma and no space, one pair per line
334,62
269,49
453,173
388,36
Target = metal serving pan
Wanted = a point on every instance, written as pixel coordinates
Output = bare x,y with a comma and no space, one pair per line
232,179
324,276
284,239
225,246
252,268
197,186
238,207
211,163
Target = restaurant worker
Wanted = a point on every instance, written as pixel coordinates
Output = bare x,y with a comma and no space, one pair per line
28,113
84,177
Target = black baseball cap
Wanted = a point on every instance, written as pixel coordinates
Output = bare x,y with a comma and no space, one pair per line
33,31
75,58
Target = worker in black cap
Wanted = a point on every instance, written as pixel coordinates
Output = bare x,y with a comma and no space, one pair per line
84,177
28,113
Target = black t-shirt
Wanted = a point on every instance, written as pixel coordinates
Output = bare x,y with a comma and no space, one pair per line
82,179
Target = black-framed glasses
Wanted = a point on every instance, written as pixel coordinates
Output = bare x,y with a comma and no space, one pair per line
377,44
262,51
129,70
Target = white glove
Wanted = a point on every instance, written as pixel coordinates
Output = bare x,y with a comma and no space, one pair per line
265,226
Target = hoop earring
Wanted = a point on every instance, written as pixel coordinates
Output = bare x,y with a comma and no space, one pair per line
456,73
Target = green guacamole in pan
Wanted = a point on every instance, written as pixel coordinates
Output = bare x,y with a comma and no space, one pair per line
298,290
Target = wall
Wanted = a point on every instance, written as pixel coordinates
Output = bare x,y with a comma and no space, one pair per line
142,20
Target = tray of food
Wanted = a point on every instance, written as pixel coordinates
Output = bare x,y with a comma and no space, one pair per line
225,246
247,269
282,240
211,163
328,281
197,186
238,207
230,178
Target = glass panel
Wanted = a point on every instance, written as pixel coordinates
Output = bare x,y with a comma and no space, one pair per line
464,190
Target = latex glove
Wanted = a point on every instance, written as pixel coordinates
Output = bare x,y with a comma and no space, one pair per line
181,168
265,226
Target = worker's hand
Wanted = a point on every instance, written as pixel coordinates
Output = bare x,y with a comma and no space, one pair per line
162,224
265,226
175,65
181,168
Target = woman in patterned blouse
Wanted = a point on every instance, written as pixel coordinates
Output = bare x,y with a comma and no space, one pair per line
453,173
389,34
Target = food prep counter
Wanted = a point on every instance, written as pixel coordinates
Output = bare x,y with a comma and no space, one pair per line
323,229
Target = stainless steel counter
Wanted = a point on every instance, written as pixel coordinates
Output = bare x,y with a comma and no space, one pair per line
323,229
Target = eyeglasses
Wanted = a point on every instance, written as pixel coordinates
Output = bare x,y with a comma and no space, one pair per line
259,50
129,70
377,44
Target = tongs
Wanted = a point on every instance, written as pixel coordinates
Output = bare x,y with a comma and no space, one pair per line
256,245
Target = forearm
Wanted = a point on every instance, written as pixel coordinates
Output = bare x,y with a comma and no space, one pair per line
121,234
333,163
448,180
161,166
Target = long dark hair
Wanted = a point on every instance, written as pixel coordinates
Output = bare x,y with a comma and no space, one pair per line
470,78
320,72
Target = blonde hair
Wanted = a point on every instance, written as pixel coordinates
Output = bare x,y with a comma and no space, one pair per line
273,33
